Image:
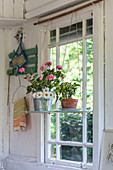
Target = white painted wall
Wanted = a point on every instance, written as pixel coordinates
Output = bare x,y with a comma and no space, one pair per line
23,143
25,146
11,9
108,64
4,123
37,8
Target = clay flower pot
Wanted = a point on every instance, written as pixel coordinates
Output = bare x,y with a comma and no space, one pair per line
69,103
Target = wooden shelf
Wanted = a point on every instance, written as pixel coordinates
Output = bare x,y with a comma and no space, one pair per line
61,111
10,22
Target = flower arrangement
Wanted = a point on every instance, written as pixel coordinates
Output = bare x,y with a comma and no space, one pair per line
45,85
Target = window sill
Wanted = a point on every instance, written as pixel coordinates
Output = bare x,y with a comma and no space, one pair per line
64,167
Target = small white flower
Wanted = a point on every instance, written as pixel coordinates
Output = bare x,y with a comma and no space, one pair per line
51,95
39,94
46,90
35,95
46,95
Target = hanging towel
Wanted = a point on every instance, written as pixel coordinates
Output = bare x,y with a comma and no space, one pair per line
19,121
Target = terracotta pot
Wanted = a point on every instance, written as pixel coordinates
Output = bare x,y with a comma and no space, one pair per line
69,103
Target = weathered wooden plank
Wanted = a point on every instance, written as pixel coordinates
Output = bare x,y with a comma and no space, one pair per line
31,69
2,86
46,7
28,52
1,10
27,69
8,8
18,9
31,51
32,60
31,5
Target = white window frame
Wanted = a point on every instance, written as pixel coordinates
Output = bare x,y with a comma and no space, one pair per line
98,112
84,143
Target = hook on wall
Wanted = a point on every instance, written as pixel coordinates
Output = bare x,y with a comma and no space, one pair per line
20,33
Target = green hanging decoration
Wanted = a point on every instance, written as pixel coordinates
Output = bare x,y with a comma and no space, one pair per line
19,59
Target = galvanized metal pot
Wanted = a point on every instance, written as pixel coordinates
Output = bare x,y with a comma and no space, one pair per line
42,104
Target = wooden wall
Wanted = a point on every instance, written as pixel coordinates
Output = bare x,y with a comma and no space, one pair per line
8,9
11,9
37,8
108,65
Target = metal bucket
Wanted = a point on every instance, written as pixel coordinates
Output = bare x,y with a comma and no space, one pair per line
42,104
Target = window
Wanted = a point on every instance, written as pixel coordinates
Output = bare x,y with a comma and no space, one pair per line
69,139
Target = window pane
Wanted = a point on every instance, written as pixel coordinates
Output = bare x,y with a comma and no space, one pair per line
53,56
89,26
71,153
90,127
89,74
67,33
53,126
71,61
89,89
71,127
89,155
52,36
53,151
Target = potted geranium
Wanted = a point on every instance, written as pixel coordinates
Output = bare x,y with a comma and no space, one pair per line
66,91
43,87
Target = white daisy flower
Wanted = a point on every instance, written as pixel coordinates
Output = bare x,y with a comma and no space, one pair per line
46,90
35,95
51,95
46,95
39,94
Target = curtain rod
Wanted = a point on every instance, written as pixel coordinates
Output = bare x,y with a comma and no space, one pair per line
69,12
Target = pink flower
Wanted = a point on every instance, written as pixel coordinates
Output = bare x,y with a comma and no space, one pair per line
42,68
50,77
28,79
63,77
41,78
49,63
59,67
21,70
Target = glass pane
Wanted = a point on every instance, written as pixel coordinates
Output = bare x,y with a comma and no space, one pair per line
90,128
52,36
89,155
71,153
89,26
71,61
53,151
53,57
89,89
68,33
89,74
53,126
71,127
